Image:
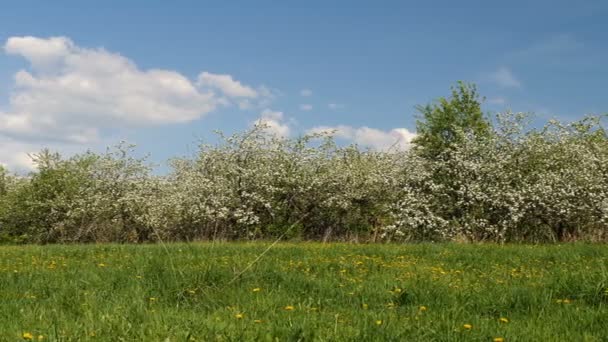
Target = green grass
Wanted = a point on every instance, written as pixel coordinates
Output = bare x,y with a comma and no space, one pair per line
337,291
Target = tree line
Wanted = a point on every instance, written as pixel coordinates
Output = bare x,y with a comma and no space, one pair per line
467,177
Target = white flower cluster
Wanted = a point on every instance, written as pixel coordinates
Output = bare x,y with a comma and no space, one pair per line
517,185
258,185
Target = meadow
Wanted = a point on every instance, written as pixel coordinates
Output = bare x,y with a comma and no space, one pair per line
304,291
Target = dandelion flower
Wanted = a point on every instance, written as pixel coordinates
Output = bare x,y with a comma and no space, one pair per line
257,321
153,299
27,336
498,339
239,316
379,322
467,326
364,306
40,337
289,308
503,320
422,308
257,289
101,264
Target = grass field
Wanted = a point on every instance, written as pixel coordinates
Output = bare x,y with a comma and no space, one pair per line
306,291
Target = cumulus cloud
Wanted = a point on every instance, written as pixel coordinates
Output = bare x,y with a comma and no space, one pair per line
226,84
15,155
274,123
504,78
306,92
397,138
69,92
305,107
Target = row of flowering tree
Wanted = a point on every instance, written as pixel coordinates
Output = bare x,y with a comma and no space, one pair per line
466,178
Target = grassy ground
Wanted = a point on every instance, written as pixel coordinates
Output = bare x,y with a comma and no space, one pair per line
331,292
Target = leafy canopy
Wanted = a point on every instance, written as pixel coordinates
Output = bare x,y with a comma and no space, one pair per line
447,122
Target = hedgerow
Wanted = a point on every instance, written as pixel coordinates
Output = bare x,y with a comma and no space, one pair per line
515,184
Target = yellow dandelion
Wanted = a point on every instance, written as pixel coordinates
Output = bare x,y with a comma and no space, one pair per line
239,316
153,299
40,337
257,289
257,321
379,322
422,308
498,339
289,308
101,264
27,336
364,306
467,326
566,301
503,320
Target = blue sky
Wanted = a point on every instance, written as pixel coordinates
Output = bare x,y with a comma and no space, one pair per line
359,67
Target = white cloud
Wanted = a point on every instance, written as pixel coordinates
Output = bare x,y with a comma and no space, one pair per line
397,138
71,93
42,53
504,78
335,106
306,107
306,92
274,122
15,155
226,84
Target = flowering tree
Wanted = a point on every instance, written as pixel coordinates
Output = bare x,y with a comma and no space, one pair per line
516,184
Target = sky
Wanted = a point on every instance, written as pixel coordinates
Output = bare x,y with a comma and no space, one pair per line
78,75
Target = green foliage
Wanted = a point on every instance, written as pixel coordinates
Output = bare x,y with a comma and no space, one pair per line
36,208
449,121
87,197
3,181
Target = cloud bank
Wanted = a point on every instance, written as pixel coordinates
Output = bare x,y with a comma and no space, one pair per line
69,94
396,139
